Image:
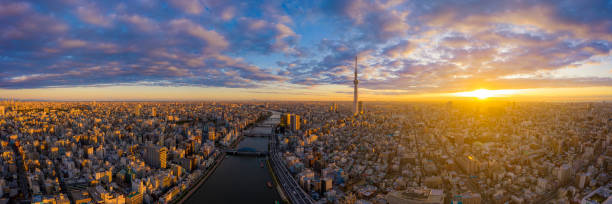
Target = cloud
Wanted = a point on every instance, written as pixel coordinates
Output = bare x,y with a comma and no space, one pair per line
19,22
401,50
403,46
90,14
213,40
135,44
264,36
72,43
439,46
228,13
378,21
14,9
142,23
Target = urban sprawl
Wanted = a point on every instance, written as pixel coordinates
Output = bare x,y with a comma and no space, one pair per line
466,152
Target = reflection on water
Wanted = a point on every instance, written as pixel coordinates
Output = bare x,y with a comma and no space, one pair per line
239,179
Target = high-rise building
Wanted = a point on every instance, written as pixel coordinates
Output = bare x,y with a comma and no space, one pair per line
459,139
356,83
361,108
134,198
137,111
286,119
163,154
333,108
211,134
469,164
583,180
153,112
564,173
161,140
326,184
1,110
156,156
295,122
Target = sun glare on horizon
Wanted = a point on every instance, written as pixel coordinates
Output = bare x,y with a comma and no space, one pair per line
485,93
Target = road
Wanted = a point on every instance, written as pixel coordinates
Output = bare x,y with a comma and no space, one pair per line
21,175
291,188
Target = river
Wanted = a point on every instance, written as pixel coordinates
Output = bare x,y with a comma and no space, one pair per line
240,179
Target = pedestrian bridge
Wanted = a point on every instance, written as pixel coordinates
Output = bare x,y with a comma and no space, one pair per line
246,151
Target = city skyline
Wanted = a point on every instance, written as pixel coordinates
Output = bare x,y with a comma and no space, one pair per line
303,51
306,102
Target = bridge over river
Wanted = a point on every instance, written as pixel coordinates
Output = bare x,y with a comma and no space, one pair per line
241,179
246,151
261,130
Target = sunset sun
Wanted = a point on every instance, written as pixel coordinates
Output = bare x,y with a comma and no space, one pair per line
485,93
325,101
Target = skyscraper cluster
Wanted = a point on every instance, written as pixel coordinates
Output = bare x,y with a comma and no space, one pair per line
290,121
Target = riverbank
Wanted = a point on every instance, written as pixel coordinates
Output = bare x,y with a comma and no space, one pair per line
203,178
237,179
276,183
193,188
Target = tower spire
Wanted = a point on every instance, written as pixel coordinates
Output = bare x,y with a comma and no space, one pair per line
355,67
355,98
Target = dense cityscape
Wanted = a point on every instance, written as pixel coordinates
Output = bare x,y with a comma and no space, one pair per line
469,152
306,102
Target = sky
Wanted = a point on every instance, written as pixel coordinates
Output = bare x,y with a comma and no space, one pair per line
305,50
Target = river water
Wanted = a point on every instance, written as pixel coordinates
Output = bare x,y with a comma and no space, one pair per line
240,179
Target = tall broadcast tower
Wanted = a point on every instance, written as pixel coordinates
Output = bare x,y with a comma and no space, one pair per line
355,98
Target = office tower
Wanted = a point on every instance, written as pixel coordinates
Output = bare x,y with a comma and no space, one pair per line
469,164
134,198
137,111
1,110
156,156
137,185
211,134
286,119
326,184
153,112
355,82
361,109
333,107
564,173
161,140
583,180
295,122
163,153
459,139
